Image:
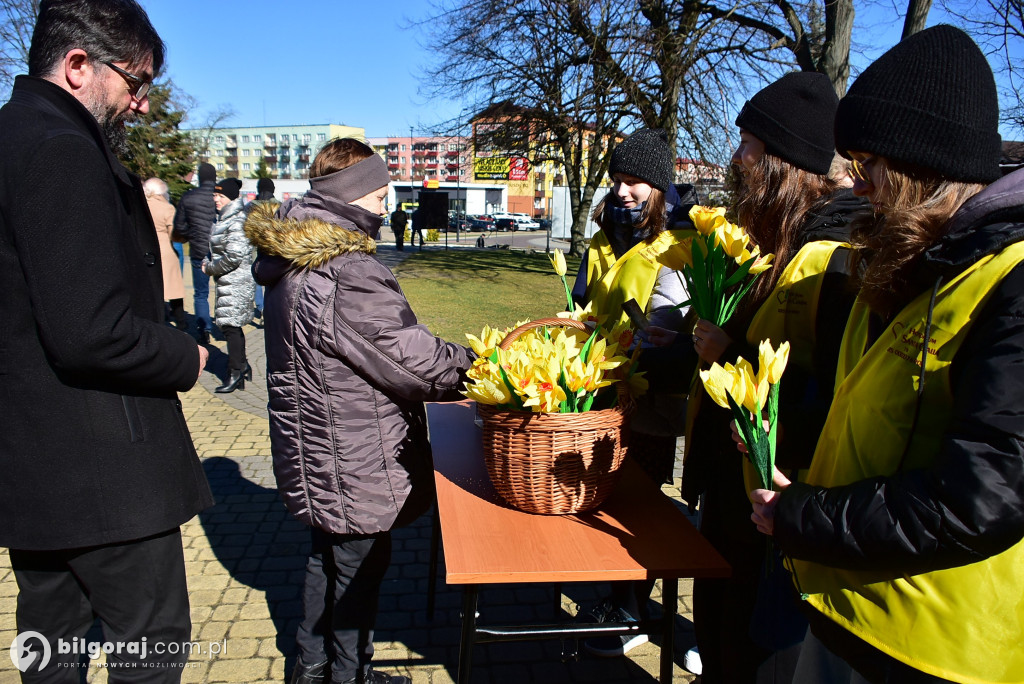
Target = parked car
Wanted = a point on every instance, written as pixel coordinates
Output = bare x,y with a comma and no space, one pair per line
463,223
545,224
481,222
508,223
524,222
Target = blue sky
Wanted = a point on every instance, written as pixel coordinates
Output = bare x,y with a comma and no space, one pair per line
353,62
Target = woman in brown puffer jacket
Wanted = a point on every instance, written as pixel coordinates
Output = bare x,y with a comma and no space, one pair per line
348,370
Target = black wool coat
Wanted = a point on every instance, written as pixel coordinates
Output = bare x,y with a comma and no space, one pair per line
94,448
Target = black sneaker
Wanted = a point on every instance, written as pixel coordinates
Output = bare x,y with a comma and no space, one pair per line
612,646
374,677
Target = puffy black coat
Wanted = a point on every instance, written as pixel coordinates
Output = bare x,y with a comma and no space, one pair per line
348,370
94,448
194,219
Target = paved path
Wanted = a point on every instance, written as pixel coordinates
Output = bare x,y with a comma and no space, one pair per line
244,560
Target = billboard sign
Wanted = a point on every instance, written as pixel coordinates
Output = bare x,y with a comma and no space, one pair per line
501,168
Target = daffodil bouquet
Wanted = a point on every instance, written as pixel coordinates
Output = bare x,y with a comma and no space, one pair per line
750,395
552,369
718,266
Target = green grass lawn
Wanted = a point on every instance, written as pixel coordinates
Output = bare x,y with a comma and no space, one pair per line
461,291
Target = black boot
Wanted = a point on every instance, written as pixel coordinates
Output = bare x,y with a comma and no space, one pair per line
248,376
236,381
375,677
309,674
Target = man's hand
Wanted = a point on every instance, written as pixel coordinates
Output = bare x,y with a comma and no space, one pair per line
204,356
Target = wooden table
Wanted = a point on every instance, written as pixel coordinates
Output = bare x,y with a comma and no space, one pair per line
638,533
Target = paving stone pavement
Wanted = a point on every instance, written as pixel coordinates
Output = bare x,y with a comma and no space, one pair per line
244,562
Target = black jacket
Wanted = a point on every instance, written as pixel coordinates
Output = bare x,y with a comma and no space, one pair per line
94,447
194,219
969,505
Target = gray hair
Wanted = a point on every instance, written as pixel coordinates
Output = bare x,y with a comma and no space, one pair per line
154,186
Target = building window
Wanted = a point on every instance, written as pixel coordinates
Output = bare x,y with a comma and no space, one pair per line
220,138
321,136
306,137
453,147
246,167
257,138
245,138
220,167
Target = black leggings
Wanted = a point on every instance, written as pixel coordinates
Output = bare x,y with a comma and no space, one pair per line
236,347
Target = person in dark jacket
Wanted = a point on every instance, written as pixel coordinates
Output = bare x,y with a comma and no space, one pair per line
264,193
193,222
908,533
793,209
348,370
98,466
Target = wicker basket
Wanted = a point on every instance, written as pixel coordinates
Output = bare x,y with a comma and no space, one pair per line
554,463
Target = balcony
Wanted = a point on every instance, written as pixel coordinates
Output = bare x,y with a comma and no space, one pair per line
270,144
452,165
285,159
394,166
284,143
452,179
303,157
451,153
270,158
285,175
232,159
431,166
432,153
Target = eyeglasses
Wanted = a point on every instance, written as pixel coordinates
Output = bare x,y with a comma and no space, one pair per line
860,170
138,87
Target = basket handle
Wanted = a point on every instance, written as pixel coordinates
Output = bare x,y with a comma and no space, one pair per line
563,322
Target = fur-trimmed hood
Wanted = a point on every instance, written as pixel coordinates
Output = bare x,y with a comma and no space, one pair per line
305,243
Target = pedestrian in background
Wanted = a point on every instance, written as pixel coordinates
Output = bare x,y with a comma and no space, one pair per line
159,200
348,370
99,470
264,193
399,220
230,263
193,222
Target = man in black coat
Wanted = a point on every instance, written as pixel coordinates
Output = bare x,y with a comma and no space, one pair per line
98,467
193,221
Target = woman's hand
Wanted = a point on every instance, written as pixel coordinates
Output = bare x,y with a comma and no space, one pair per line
660,337
765,501
710,341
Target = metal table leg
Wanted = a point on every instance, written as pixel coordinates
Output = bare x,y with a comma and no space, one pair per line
435,542
669,602
469,600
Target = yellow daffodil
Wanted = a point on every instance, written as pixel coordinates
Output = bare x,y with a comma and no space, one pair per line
487,391
771,363
558,261
761,263
707,219
722,382
637,384
678,255
488,340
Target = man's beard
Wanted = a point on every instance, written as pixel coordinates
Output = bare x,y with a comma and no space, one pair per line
115,131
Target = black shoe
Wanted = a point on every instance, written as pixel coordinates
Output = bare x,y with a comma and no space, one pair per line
248,371
257,314
309,674
203,335
374,677
612,646
236,381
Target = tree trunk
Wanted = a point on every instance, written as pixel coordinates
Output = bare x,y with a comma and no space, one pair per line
917,15
835,58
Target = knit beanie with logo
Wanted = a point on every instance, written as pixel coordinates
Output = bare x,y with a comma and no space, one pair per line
645,155
929,102
793,118
229,187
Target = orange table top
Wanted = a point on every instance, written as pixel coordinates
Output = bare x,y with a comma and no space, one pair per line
637,533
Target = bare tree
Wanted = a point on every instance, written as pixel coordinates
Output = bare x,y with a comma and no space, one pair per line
917,16
17,19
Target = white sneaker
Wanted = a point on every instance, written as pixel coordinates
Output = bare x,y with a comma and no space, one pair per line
691,661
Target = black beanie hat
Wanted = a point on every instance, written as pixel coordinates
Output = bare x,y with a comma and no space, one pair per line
929,102
793,118
207,173
264,185
645,154
229,187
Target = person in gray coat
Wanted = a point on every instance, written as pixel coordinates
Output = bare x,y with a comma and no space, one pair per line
230,263
348,370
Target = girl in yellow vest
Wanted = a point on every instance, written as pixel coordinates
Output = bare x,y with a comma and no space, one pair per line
640,218
907,535
791,207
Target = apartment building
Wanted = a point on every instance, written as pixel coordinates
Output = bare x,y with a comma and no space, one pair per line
287,151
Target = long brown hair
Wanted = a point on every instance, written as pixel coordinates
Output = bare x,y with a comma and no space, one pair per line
772,204
916,210
652,216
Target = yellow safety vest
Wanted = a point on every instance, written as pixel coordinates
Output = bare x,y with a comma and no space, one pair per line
790,314
612,282
966,623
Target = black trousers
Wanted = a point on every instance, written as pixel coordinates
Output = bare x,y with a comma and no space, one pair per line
339,600
236,347
136,588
